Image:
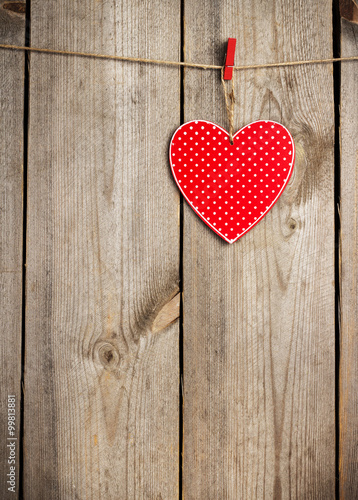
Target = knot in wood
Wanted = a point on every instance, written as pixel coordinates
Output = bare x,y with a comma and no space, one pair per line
16,7
107,354
292,224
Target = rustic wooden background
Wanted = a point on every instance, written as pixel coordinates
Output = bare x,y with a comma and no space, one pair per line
149,358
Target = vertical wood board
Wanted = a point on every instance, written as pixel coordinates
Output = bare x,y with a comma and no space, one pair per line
349,280
259,335
101,406
12,31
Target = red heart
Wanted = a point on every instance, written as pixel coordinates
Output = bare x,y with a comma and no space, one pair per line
232,187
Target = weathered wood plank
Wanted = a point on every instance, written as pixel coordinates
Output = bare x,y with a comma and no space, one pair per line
259,333
102,375
12,30
349,278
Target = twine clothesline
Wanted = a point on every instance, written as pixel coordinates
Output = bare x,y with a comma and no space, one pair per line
229,96
229,103
177,63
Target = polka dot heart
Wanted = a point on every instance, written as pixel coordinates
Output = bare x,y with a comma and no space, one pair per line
232,187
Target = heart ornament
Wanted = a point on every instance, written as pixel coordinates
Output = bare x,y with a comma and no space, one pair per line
232,186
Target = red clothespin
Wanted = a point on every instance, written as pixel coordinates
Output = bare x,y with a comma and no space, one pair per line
230,58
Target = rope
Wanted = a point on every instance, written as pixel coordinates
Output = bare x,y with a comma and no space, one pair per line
229,96
177,63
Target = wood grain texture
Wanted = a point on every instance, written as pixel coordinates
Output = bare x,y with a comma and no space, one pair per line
349,279
259,336
12,30
102,388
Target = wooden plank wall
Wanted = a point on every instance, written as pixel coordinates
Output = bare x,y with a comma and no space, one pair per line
259,338
349,283
101,373
102,365
12,31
